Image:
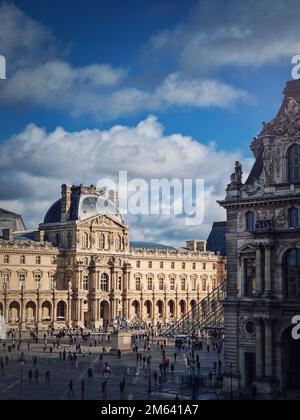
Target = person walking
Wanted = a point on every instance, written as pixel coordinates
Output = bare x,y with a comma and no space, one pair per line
122,390
36,375
30,376
82,390
70,386
48,377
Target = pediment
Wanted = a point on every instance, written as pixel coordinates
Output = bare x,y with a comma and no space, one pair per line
247,249
102,221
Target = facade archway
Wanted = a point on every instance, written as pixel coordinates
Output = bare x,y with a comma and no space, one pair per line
61,311
104,313
137,307
182,307
46,311
171,306
290,361
291,264
30,311
193,304
148,307
14,312
1,309
160,308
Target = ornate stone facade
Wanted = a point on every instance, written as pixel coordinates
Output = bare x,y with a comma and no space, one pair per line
263,246
80,270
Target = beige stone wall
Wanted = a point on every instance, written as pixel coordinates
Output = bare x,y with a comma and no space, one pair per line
85,283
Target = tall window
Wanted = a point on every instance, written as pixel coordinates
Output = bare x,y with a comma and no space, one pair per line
6,259
291,265
118,243
52,281
5,281
194,266
22,259
38,260
138,264
194,284
37,281
183,266
104,282
21,281
294,163
250,221
161,284
150,283
161,264
85,284
294,218
172,265
183,284
102,242
204,284
138,284
204,266
57,239
85,240
150,264
172,283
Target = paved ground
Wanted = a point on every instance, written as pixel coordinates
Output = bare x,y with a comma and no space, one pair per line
62,371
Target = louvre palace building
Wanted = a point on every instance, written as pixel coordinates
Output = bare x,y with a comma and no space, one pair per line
80,270
263,251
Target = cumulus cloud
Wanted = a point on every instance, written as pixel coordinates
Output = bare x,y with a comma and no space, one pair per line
34,164
236,34
40,75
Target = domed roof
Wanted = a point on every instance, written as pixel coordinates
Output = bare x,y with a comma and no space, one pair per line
53,215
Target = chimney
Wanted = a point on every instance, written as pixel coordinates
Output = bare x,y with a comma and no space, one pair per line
65,202
191,245
202,246
7,234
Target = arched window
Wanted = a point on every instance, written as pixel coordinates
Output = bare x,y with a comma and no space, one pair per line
204,284
294,163
102,242
118,243
250,221
85,240
291,263
104,282
294,218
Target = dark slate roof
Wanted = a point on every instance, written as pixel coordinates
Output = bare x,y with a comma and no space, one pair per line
216,241
53,215
149,245
256,170
11,220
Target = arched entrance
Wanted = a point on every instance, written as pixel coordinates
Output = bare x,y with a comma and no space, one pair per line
46,311
14,312
290,361
171,305
30,311
148,306
61,311
193,304
182,307
104,313
136,307
160,308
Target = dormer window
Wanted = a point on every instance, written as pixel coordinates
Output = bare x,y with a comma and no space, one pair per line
294,218
294,163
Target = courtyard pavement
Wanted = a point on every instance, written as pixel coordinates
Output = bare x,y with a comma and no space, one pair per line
137,386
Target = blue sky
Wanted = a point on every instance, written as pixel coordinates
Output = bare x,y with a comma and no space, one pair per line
202,70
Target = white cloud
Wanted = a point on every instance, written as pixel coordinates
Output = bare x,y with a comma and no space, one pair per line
34,163
39,75
236,34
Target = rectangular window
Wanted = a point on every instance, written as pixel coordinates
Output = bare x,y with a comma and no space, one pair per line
6,259
172,284
172,265
85,285
150,284
37,281
138,284
161,265
5,281
138,264
21,281
161,284
250,277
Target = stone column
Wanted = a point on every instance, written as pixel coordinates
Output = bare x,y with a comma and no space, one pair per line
259,349
268,271
142,306
92,297
259,285
269,347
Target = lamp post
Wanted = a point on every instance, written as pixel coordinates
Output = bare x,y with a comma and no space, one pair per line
21,364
